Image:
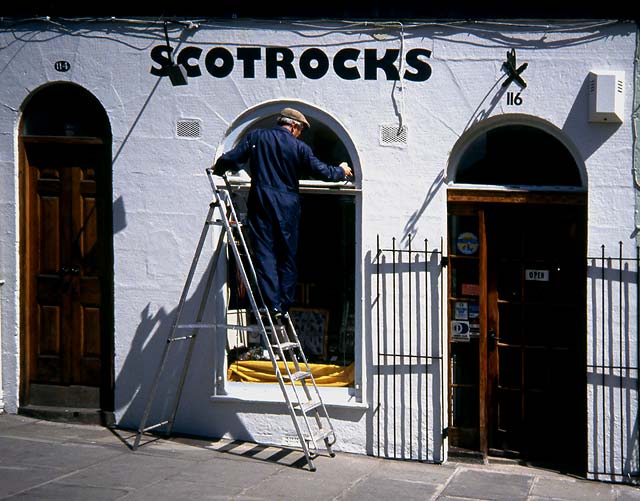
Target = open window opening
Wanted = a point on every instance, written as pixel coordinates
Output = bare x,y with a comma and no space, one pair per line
324,309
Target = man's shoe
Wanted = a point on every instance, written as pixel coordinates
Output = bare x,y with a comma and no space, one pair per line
276,315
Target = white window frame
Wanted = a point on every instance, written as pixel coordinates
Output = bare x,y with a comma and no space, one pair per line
353,396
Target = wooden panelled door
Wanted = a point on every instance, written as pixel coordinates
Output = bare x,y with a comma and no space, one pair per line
517,338
66,263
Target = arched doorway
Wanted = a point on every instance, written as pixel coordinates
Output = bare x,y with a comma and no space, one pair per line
517,296
66,256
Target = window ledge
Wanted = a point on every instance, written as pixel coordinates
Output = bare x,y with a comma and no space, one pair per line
242,183
271,394
517,187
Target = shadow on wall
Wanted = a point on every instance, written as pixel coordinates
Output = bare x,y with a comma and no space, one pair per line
411,228
488,104
196,414
587,136
407,415
119,215
612,367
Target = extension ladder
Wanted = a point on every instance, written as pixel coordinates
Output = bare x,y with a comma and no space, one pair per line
302,397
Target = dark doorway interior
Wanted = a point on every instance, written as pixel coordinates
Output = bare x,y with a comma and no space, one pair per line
518,373
517,300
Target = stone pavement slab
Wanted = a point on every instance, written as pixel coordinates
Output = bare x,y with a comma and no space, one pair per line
131,471
59,491
41,460
572,489
467,484
18,477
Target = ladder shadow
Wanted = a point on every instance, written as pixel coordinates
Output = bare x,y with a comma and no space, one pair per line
142,363
274,454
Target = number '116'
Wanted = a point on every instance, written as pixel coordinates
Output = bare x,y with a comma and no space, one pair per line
513,99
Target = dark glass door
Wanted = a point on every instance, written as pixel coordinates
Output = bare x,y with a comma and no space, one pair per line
536,332
517,331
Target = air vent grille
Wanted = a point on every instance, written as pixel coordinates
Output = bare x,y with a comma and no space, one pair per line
393,135
188,128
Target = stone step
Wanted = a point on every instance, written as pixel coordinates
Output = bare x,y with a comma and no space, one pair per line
68,414
64,396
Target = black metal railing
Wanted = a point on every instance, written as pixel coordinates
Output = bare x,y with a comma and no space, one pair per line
409,312
612,365
409,384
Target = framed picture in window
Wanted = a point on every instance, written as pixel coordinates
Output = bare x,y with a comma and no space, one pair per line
311,325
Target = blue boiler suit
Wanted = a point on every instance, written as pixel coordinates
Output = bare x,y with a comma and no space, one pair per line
276,159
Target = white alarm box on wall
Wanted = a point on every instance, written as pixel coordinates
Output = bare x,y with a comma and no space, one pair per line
606,96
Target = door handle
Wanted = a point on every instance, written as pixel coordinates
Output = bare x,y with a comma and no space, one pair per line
493,336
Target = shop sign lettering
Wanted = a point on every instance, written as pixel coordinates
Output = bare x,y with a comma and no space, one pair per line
537,275
282,62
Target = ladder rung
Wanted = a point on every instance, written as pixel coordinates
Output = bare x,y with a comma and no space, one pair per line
180,338
298,376
279,328
195,326
218,222
307,406
248,328
154,426
290,345
322,434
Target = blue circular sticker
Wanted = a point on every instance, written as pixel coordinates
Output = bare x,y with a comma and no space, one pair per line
467,243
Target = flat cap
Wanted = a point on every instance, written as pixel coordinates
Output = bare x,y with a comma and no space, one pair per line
295,115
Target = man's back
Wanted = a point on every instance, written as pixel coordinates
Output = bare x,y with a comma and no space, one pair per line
276,159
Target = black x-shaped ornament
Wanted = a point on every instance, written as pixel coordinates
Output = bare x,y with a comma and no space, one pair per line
510,67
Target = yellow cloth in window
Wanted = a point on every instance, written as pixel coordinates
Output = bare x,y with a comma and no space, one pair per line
261,371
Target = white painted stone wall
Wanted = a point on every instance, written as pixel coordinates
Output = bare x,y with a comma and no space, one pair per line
161,194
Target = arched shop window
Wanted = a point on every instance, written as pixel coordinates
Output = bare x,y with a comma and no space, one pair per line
324,310
518,155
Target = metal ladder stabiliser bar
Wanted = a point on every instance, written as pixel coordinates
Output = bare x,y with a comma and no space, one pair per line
293,373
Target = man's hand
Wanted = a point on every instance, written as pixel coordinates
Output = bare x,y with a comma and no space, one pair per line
348,173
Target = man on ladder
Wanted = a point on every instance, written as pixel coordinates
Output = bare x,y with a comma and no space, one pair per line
277,157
